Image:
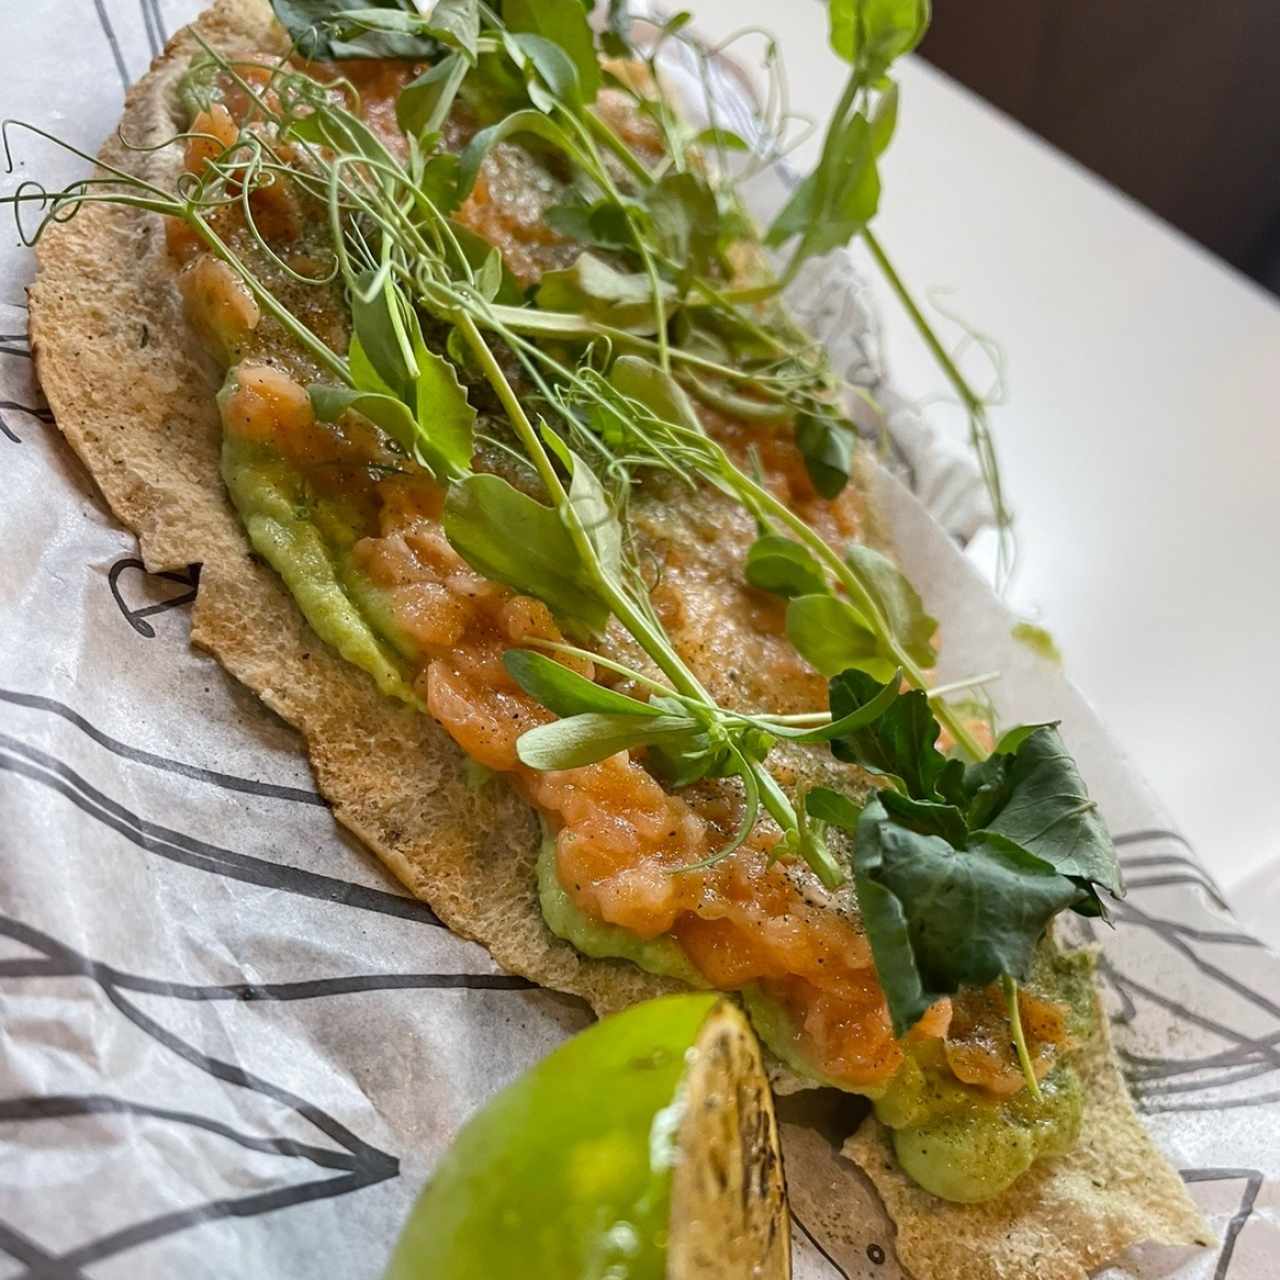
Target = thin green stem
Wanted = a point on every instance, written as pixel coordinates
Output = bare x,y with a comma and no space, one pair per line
1010,987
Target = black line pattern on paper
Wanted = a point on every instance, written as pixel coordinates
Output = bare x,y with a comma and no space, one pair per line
225,781
15,344
360,1163
1248,1198
29,762
817,1244
104,21
136,618
152,24
15,406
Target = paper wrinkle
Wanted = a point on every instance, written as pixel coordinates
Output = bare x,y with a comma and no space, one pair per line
145,866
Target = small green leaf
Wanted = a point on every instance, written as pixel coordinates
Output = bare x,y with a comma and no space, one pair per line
423,104
786,568
724,139
593,288
584,739
392,415
513,539
940,918
885,119
832,636
898,601
1038,640
827,445
871,34
641,380
685,220
527,121
550,76
846,724
564,691
617,32
446,419
385,329
563,23
598,519
900,744
479,253
834,808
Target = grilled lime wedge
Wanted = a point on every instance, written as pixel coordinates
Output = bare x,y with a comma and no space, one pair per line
645,1148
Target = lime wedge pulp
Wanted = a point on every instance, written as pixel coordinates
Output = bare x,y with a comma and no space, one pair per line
645,1148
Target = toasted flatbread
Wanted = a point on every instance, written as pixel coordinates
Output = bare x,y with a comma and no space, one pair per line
133,395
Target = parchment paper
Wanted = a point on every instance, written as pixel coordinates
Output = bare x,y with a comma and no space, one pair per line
230,1046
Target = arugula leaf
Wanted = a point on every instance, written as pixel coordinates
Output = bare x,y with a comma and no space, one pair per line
939,918
317,26
870,34
827,446
832,636
564,691
562,23
387,337
899,602
511,538
1049,813
593,288
445,416
584,739
391,414
900,744
602,223
855,719
786,568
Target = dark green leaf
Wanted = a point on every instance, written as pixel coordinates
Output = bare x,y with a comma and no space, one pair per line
901,606
604,223
593,288
926,817
564,691
386,332
424,103
832,636
564,23
388,412
870,34
827,446
900,744
584,739
939,918
510,538
323,29
1049,812
786,568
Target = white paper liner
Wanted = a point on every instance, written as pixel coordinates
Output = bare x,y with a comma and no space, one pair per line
231,1046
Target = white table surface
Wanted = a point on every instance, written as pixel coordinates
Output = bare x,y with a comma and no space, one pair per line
1140,438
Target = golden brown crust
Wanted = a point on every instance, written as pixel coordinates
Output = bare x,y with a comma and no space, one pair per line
134,398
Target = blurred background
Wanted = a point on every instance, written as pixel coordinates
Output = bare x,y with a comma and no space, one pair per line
1174,101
